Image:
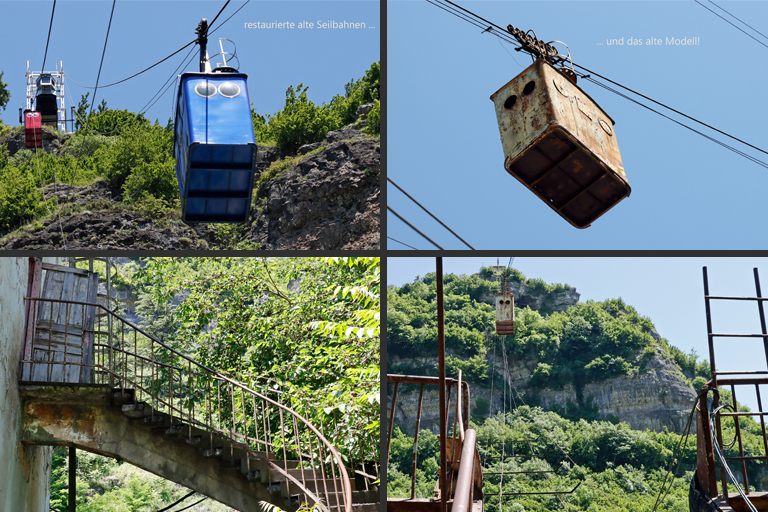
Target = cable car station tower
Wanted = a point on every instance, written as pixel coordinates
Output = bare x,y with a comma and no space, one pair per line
45,94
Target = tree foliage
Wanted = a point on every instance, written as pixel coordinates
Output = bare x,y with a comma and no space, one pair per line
319,344
590,342
136,156
5,94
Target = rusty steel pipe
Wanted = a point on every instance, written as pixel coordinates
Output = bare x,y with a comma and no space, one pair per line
441,375
465,480
416,442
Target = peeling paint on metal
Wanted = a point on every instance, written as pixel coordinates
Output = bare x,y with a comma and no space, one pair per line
554,138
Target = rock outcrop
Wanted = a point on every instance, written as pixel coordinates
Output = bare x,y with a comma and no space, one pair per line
656,399
538,298
329,200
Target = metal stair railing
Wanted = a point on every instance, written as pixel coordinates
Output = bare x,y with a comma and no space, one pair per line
125,357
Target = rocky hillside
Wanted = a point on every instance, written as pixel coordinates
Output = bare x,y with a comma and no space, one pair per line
657,399
325,199
651,392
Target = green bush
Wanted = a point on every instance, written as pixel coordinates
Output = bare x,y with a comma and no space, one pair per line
261,129
373,120
301,121
138,145
158,180
474,369
85,145
115,122
20,201
356,93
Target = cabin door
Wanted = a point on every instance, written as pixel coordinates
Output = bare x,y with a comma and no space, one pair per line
59,335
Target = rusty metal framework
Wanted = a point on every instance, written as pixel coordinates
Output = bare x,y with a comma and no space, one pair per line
461,418
151,375
706,465
459,484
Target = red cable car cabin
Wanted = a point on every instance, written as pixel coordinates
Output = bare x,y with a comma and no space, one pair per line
33,131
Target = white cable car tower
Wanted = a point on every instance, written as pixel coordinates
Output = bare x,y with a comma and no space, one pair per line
51,82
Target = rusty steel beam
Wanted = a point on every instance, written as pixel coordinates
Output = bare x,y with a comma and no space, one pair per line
415,442
391,423
441,370
464,482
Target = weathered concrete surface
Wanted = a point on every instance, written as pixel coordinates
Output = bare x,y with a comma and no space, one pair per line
25,471
85,417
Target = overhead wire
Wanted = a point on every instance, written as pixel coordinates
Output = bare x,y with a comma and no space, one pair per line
37,157
413,227
712,139
184,64
402,243
104,51
217,16
230,17
733,16
684,436
504,35
430,213
140,72
735,26
50,26
672,109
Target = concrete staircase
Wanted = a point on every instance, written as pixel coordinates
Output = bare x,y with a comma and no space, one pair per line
108,422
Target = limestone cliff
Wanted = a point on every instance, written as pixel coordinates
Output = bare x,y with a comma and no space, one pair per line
658,397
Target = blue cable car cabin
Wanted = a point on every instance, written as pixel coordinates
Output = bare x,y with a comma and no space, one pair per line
214,147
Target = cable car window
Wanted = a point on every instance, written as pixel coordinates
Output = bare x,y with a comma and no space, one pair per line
529,87
205,89
229,90
510,102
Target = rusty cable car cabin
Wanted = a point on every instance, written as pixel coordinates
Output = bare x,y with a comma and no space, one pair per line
560,144
505,315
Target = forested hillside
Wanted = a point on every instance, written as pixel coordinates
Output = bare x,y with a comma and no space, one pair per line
563,381
307,328
112,183
583,343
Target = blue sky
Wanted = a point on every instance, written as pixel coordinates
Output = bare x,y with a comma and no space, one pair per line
144,32
667,290
687,193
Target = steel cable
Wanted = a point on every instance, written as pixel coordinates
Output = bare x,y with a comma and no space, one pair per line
430,213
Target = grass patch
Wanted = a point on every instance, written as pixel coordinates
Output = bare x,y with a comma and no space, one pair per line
279,168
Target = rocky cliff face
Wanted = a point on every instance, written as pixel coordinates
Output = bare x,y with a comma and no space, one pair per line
328,200
538,298
655,399
658,398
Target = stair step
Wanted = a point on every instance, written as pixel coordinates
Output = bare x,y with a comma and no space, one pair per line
175,430
213,452
288,489
122,396
276,476
264,467
134,411
370,496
